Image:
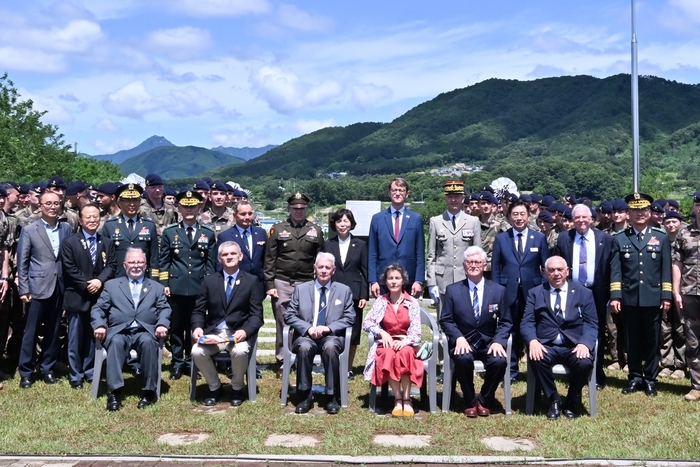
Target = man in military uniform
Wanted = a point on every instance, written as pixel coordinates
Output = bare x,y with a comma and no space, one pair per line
657,214
545,223
489,226
604,216
673,363
6,299
187,255
449,236
76,197
640,288
32,207
219,217
12,199
169,195
473,204
129,230
292,246
620,216
203,188
153,205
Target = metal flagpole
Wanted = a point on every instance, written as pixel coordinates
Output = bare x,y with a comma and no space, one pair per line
635,104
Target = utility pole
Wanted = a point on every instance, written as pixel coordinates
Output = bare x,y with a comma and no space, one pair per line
635,105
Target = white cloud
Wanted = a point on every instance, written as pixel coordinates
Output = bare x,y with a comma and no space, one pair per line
249,137
107,125
180,43
111,147
295,18
309,126
21,59
55,113
134,101
366,96
282,91
206,8
689,8
78,36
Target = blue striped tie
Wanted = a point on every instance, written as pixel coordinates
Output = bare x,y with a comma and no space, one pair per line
93,250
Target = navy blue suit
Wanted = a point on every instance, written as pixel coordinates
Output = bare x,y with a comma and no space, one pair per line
384,250
494,325
580,326
252,262
518,276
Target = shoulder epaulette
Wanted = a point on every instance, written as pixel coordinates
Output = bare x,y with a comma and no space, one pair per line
174,224
205,226
619,232
112,219
659,230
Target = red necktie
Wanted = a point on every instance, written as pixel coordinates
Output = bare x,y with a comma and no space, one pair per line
397,228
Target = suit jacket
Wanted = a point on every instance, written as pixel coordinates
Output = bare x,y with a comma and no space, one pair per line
540,321
144,236
457,316
78,269
603,249
243,311
252,262
446,247
509,271
184,263
384,250
353,272
38,268
115,311
339,315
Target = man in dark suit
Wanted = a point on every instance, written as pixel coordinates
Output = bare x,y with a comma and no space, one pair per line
229,304
250,238
587,253
88,262
319,313
477,323
396,236
187,256
560,326
517,264
41,288
641,288
132,312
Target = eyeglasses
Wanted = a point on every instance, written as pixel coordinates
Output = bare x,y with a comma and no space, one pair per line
135,263
49,204
474,263
397,190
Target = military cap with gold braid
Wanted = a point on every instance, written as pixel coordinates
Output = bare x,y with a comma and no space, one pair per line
129,191
453,187
189,198
638,200
298,198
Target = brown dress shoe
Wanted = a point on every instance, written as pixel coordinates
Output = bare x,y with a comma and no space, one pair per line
481,410
470,412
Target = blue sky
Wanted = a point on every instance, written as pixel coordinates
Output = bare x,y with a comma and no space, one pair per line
254,72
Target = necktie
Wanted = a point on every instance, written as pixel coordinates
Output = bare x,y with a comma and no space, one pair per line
640,237
135,293
582,259
475,305
557,306
520,246
246,237
130,225
321,321
190,233
229,289
397,227
454,222
93,250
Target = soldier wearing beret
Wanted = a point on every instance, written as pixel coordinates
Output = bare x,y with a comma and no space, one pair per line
657,214
620,216
203,188
32,207
449,236
489,226
292,246
604,216
129,230
187,255
169,195
154,206
57,185
473,201
219,217
640,288
76,196
545,222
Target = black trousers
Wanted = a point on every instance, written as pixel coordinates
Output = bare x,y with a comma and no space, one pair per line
464,373
330,348
81,346
42,315
579,369
643,325
180,329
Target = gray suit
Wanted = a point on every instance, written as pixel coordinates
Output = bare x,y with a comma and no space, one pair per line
40,275
300,317
115,312
446,247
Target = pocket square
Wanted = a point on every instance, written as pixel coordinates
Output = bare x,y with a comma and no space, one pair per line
337,302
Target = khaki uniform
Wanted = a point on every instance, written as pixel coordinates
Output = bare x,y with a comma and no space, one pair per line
162,217
489,230
218,223
68,216
687,252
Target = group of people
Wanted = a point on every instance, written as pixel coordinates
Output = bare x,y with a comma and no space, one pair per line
129,268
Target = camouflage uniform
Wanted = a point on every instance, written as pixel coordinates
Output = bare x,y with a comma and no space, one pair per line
489,230
552,237
687,257
162,217
218,223
11,309
68,216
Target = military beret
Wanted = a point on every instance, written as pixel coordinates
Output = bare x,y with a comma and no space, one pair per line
219,186
129,191
474,197
567,213
201,185
153,180
108,188
545,216
243,194
546,201
638,200
189,198
673,215
167,191
696,197
298,198
511,197
24,189
570,198
562,208
11,184
657,207
56,182
207,180
489,189
526,198
594,213
488,196
583,200
75,187
554,207
662,202
605,207
620,205
3,192
453,187
535,198
38,187
674,203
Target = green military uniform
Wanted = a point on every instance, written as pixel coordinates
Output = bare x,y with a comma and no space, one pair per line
184,262
552,237
218,223
143,235
68,216
489,230
162,217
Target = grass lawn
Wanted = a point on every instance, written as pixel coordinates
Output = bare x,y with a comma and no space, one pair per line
59,420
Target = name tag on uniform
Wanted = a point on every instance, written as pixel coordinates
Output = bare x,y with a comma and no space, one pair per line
284,234
534,249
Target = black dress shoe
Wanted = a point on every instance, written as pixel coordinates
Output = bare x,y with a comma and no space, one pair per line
650,390
176,374
113,402
554,410
213,397
570,411
236,397
633,386
305,405
76,384
49,378
258,373
148,398
332,407
25,382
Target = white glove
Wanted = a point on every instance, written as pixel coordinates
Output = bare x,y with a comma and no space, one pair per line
434,293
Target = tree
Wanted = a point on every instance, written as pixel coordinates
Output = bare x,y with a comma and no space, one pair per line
31,150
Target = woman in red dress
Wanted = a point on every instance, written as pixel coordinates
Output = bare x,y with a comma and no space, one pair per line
395,323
